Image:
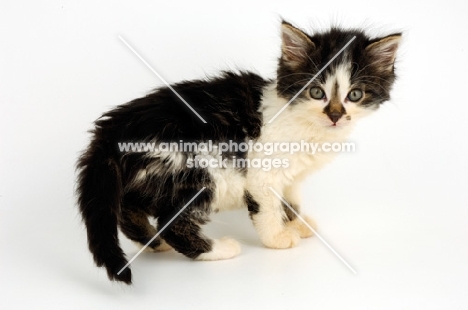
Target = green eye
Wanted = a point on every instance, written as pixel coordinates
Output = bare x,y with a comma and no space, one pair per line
317,93
355,95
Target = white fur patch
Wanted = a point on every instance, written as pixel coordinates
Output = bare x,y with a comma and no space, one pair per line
301,121
308,123
223,248
229,189
174,160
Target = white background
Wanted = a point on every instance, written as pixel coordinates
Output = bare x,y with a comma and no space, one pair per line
396,209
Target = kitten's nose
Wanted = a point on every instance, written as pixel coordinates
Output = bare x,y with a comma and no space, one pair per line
335,116
334,110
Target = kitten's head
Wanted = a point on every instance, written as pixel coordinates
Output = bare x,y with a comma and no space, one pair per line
357,81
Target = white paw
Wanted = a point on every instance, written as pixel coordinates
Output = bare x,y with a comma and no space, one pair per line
303,229
286,238
223,248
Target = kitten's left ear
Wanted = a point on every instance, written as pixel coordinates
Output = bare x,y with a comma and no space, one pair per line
295,45
382,52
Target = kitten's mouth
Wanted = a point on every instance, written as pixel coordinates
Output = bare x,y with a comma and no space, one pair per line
334,114
338,125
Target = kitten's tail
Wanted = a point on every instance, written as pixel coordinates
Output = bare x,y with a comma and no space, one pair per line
99,195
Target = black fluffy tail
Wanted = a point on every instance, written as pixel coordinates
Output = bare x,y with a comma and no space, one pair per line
99,195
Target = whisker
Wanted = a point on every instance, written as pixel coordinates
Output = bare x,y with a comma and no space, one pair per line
371,82
372,76
300,81
287,75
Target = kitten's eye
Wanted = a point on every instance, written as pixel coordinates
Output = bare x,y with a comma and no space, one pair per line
317,93
355,95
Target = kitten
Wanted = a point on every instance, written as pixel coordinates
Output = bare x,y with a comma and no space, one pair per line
123,189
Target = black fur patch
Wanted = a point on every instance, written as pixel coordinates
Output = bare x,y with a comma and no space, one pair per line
252,205
290,215
229,104
107,191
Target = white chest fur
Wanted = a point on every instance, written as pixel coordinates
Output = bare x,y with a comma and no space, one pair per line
291,126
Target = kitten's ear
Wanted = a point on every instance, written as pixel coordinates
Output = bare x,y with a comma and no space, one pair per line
295,45
382,52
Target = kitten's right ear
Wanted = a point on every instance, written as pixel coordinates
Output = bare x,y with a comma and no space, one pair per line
295,45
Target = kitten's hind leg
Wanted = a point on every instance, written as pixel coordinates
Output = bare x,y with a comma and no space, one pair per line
185,236
135,225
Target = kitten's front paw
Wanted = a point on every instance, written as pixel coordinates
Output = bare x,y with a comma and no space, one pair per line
299,226
287,238
223,248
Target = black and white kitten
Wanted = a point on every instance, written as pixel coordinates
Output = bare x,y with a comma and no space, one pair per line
123,189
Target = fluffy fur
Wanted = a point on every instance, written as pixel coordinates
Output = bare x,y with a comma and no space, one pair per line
121,190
